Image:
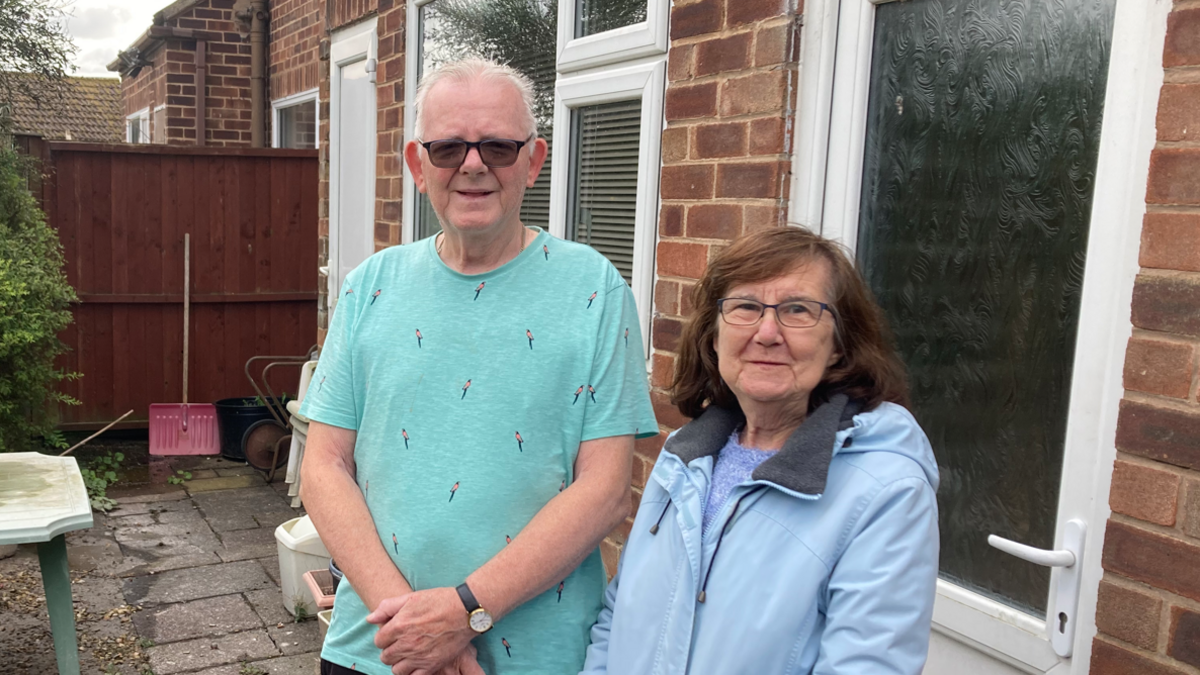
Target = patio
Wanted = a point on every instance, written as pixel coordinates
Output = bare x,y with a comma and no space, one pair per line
175,579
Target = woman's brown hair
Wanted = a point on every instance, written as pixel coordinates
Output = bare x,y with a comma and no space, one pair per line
869,369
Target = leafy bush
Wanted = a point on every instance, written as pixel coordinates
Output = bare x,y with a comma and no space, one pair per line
34,301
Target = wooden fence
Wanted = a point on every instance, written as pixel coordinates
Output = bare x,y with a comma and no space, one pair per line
121,212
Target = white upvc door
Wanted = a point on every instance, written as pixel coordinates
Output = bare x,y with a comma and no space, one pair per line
351,151
973,633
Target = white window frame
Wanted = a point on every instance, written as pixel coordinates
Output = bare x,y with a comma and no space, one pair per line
622,64
142,117
289,101
347,45
619,45
645,81
826,185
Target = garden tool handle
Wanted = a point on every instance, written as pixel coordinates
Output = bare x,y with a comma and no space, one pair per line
187,264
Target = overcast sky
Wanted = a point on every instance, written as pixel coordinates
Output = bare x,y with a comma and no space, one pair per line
101,28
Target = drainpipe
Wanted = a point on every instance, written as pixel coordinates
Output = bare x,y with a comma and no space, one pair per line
258,46
201,89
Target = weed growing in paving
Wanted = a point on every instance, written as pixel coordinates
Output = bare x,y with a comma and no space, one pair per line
251,669
179,477
98,475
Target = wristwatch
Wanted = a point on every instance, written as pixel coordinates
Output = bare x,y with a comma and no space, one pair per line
477,617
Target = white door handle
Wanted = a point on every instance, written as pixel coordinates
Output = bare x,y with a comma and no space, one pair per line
1061,619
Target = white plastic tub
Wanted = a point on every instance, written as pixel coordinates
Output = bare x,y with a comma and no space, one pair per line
323,618
300,550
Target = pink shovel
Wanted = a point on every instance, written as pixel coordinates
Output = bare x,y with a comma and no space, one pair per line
184,428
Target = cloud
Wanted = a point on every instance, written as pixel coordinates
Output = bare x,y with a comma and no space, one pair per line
98,23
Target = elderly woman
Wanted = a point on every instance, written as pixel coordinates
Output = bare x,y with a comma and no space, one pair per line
791,526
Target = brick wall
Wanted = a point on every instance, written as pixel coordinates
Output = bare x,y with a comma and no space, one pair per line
726,153
170,79
295,34
1148,615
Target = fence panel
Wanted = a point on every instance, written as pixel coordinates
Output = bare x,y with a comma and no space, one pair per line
121,213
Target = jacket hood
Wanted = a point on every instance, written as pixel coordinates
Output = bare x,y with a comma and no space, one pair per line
802,464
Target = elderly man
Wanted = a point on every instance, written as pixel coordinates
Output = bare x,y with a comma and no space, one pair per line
474,413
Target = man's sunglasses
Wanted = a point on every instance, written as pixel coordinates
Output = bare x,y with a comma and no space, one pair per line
495,153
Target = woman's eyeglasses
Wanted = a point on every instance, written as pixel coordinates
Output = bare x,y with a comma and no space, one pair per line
495,153
793,314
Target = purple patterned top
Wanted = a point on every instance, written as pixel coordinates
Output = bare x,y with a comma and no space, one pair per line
734,465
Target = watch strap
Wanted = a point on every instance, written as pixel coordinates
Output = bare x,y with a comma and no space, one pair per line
467,597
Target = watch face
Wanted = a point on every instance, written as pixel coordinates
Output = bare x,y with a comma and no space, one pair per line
480,621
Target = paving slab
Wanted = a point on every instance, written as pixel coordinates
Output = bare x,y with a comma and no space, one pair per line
190,462
200,474
274,519
94,549
179,657
163,540
238,509
140,494
271,565
192,515
301,664
248,544
141,508
237,471
296,638
198,618
136,566
268,604
95,595
196,583
223,483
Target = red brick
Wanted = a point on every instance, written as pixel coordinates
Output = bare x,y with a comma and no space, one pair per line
680,64
721,140
1129,615
670,220
1189,515
698,100
649,447
753,180
1171,240
662,371
674,144
714,221
610,553
695,19
1163,562
767,136
1163,434
1170,304
668,415
1144,493
776,44
1179,112
1159,367
718,55
755,217
690,181
666,297
741,12
641,471
664,333
1183,641
686,296
681,260
757,93
1182,46
1174,175
1111,659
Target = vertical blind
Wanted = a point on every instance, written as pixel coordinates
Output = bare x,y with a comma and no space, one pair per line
604,180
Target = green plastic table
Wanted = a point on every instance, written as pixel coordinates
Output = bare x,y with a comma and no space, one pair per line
41,498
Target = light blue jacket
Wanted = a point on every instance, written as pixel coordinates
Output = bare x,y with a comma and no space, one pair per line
824,562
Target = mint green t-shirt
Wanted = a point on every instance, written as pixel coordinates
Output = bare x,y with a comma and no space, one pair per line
470,395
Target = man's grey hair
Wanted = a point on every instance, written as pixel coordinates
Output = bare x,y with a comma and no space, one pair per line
470,70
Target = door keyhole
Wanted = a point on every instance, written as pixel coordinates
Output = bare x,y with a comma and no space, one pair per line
1062,622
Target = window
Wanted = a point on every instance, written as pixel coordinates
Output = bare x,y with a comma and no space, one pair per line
159,132
137,127
295,121
598,68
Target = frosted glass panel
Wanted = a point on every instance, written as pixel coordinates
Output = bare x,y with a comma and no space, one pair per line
604,179
522,35
982,136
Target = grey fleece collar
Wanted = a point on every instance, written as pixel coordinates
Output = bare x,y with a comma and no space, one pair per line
802,465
